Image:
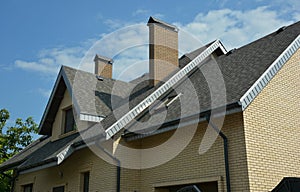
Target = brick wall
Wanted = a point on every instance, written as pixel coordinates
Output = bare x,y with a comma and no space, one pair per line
102,175
58,124
190,167
187,167
272,129
163,52
103,69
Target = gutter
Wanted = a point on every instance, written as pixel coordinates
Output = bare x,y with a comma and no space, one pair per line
118,184
225,142
231,108
41,165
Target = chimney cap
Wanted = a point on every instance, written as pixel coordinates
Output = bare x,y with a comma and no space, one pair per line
103,58
162,23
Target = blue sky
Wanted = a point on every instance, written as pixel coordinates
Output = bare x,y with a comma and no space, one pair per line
39,36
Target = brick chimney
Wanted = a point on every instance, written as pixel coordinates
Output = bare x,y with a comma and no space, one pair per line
163,50
103,66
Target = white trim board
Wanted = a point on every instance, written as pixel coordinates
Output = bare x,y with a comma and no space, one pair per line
266,77
148,101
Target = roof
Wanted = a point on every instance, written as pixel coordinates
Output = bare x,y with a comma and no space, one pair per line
91,97
240,70
288,184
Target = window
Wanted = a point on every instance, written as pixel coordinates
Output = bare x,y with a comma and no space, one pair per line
85,180
58,189
28,188
69,120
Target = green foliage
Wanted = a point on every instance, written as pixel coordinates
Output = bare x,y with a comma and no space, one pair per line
12,140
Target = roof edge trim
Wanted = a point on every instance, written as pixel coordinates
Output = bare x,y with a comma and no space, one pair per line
186,121
149,100
37,168
50,100
266,77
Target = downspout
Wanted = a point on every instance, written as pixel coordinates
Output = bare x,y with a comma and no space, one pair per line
225,151
118,184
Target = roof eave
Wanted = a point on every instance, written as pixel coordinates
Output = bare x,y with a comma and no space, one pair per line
231,108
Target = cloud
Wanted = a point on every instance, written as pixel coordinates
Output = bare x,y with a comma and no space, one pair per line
296,16
146,13
128,45
114,23
49,61
44,92
36,66
233,27
141,12
125,46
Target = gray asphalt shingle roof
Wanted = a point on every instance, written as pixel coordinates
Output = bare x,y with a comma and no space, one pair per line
240,69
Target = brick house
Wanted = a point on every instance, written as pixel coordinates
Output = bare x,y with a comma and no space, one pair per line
252,148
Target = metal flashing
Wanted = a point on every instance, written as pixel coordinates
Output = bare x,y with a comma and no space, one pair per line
64,154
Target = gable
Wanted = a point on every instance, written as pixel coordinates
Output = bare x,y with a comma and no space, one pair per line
45,127
91,97
58,124
272,70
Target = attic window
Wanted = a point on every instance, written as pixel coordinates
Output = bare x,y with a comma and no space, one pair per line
69,120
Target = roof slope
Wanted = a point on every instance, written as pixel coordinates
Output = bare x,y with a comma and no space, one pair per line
91,97
240,69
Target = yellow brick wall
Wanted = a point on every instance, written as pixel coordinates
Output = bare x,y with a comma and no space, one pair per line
189,166
163,52
103,69
57,129
102,175
272,129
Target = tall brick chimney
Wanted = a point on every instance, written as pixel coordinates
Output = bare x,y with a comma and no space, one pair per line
163,50
103,66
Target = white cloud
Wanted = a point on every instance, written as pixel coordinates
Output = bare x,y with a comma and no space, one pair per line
49,60
146,13
128,45
44,92
35,66
296,16
141,12
114,23
233,27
